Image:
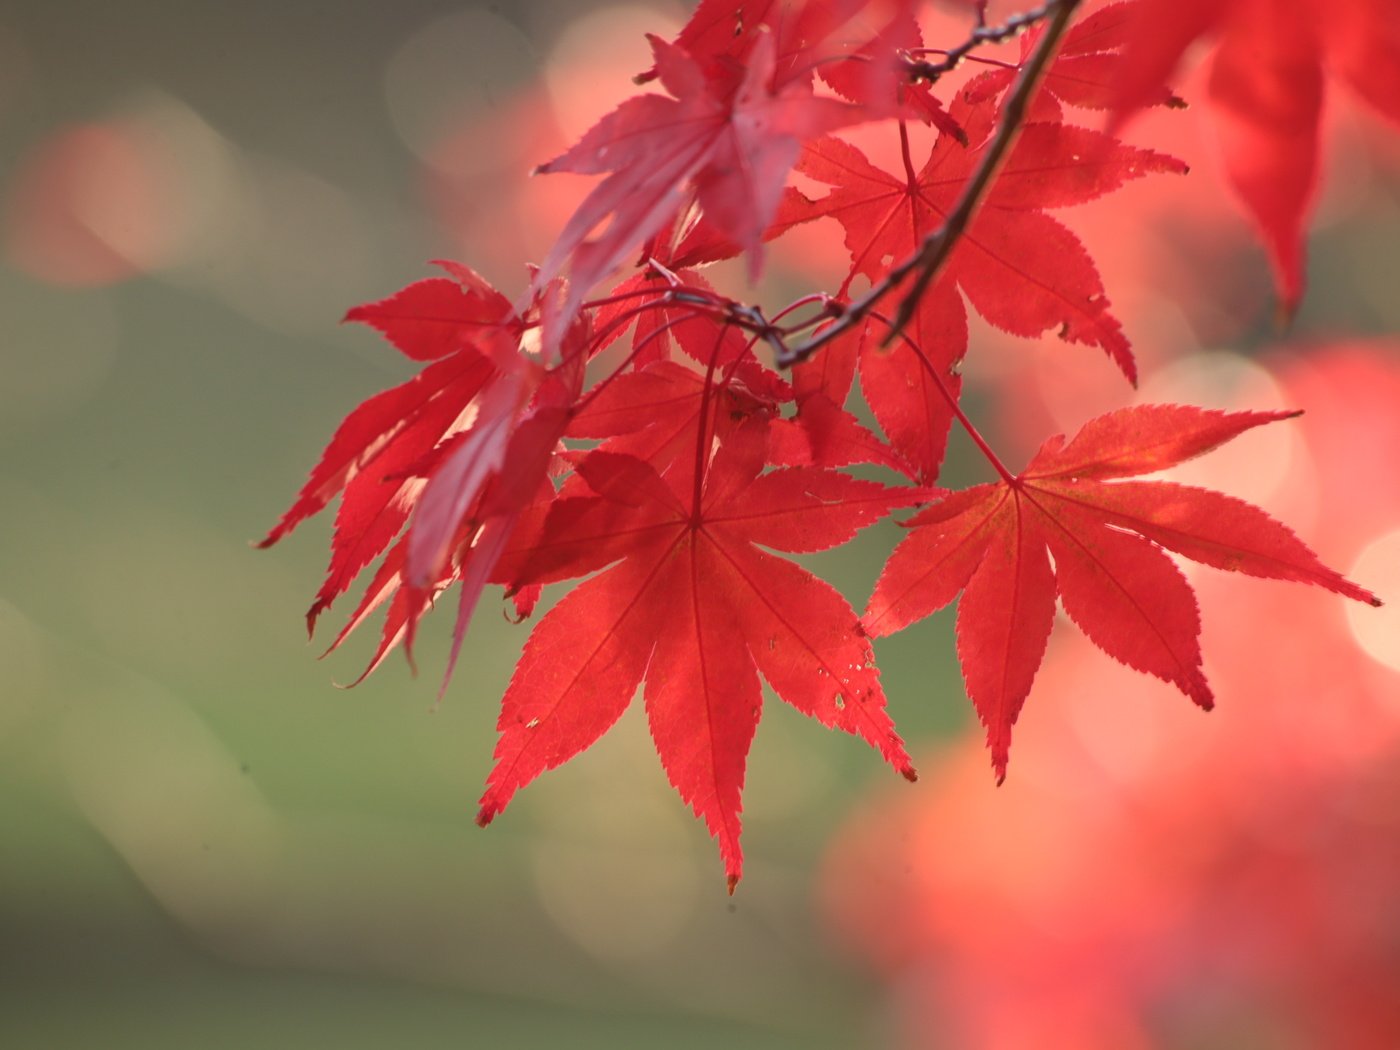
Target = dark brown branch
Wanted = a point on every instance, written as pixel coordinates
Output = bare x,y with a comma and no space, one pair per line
937,248
933,253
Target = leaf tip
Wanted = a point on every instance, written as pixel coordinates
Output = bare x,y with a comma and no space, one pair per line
999,744
312,614
909,773
486,814
1200,691
732,882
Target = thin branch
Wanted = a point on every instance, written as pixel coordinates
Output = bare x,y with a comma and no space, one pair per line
982,34
939,247
980,59
933,253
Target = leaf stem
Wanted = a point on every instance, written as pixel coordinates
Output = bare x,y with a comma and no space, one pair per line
702,425
906,156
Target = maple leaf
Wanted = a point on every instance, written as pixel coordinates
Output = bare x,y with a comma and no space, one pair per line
483,482
1266,94
450,459
1087,70
994,543
433,318
1021,269
472,472
699,611
729,132
724,33
877,74
458,325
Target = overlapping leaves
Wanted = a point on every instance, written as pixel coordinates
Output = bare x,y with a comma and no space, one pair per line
640,437
695,608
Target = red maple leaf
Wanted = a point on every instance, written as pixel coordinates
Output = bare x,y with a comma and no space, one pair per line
449,459
695,608
459,325
654,414
1021,269
728,136
1266,93
806,34
1087,69
877,74
995,542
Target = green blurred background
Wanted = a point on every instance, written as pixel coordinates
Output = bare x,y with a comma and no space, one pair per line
202,840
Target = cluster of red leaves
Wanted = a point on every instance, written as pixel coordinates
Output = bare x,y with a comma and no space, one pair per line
1149,885
541,444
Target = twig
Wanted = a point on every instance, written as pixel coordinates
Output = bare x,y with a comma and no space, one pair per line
982,34
938,247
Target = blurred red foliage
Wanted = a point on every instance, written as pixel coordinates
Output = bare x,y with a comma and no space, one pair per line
89,206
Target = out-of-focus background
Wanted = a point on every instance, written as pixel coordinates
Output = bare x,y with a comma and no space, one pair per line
204,842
